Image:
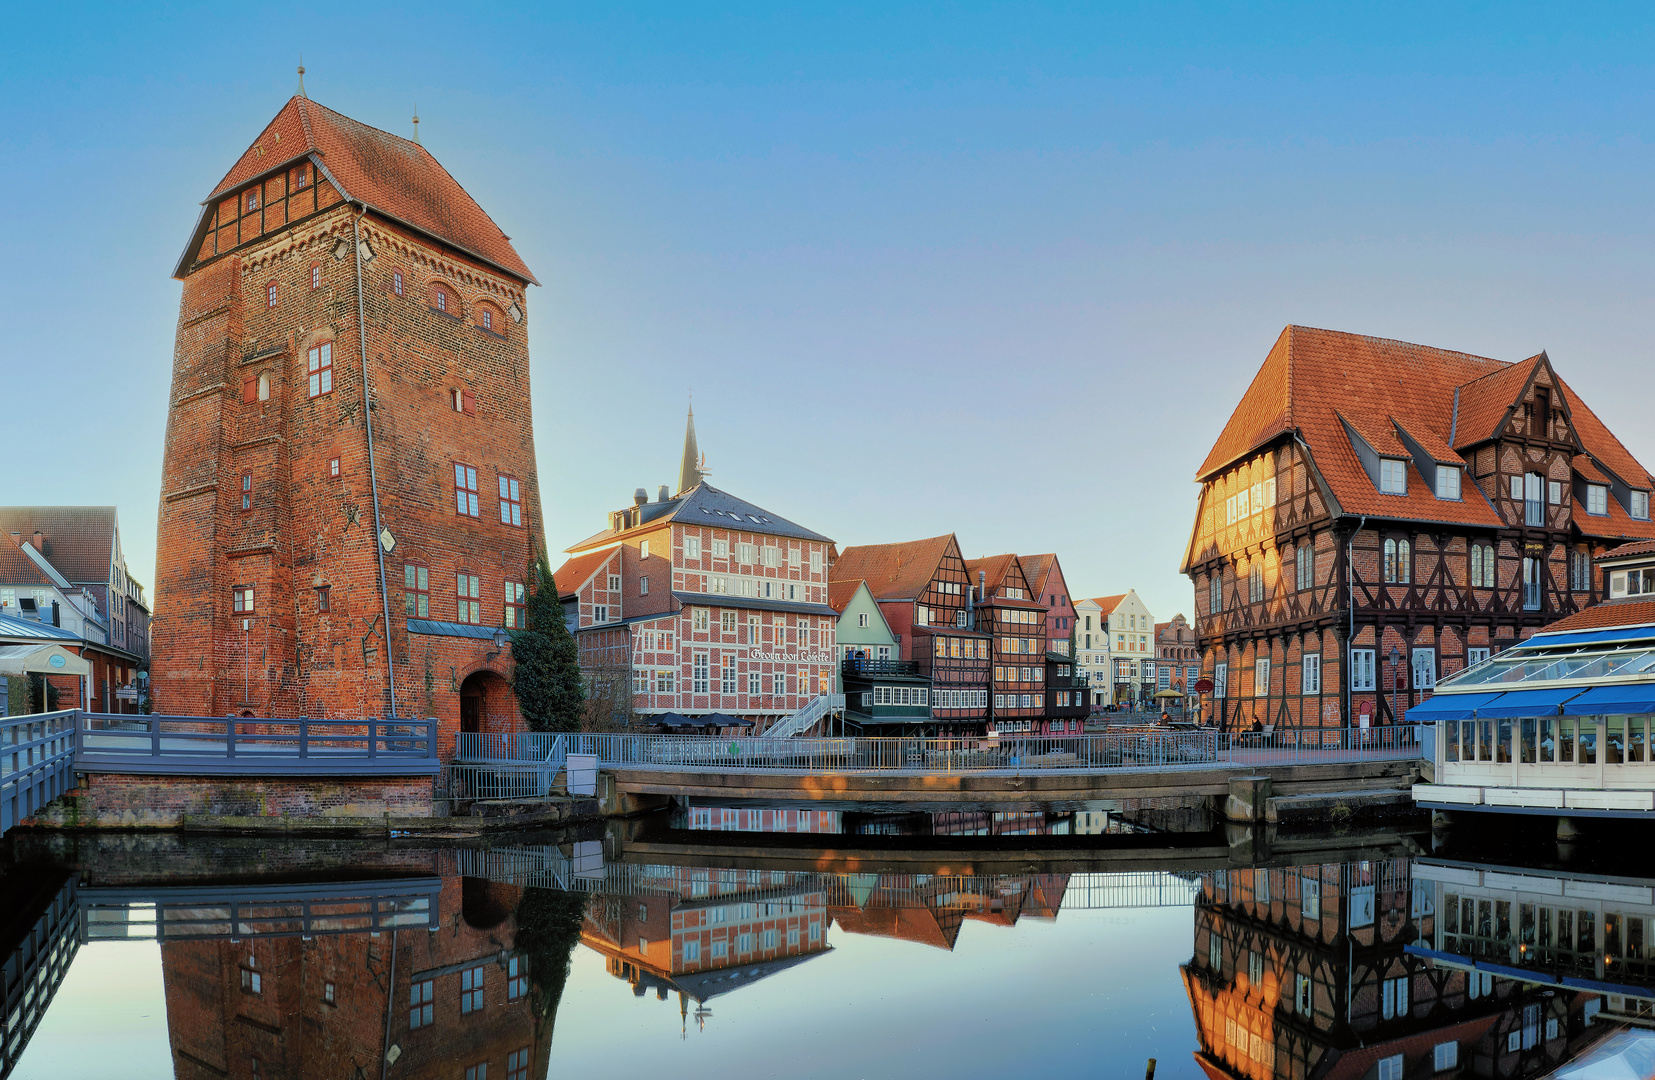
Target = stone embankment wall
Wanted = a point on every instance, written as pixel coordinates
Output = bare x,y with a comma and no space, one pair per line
113,801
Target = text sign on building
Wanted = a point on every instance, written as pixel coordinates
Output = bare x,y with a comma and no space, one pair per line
790,658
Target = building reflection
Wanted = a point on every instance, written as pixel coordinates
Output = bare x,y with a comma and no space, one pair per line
979,821
457,996
699,933
1346,970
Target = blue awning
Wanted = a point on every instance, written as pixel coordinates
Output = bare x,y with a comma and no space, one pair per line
1448,707
1613,700
1514,703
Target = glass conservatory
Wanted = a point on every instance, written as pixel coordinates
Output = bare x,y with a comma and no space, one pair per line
1562,724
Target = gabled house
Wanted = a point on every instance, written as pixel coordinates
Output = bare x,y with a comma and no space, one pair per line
923,590
1377,514
1046,584
706,603
1016,625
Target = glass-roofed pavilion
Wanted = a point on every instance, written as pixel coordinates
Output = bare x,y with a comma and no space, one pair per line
1562,724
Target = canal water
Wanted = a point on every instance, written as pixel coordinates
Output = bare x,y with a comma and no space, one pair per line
719,941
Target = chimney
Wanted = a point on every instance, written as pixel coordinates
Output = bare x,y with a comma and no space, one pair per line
639,497
56,618
17,538
40,541
661,496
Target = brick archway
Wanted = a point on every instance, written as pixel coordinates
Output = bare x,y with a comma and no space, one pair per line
486,703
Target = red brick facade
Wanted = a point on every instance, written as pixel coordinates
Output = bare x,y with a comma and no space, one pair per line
266,480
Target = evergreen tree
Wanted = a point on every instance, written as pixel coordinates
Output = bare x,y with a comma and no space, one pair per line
546,680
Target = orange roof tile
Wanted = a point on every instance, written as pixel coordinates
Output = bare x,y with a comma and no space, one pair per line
1109,603
16,568
1485,401
80,540
894,571
579,569
1036,569
903,923
1637,547
1615,613
841,591
1430,442
1314,381
993,569
394,176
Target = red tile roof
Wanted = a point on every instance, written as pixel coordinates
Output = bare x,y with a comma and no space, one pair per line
1109,603
1315,382
579,570
894,571
1036,569
394,176
993,569
841,591
1485,401
1601,616
80,540
16,568
1637,547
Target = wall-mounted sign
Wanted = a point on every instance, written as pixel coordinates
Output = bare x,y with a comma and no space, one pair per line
56,660
791,658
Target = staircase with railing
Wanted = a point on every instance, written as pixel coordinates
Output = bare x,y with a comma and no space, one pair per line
820,706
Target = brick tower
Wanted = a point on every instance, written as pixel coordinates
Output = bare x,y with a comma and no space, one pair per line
348,496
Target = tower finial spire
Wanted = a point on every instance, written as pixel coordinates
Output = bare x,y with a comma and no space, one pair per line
691,471
416,124
302,75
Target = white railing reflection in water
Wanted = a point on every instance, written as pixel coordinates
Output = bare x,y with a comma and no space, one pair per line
1180,749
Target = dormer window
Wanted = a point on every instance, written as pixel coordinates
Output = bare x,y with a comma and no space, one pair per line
1640,505
1448,482
1597,500
1632,583
1393,476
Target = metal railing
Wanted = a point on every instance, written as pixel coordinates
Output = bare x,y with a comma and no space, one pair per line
258,911
806,718
858,665
1012,753
246,745
36,762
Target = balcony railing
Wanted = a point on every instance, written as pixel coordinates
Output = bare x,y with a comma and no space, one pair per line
855,665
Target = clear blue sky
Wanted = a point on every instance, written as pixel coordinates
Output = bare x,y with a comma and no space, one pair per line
996,269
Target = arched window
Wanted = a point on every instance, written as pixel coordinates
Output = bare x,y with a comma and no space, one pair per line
1255,581
1390,560
1476,565
1304,568
488,318
443,299
1215,591
1403,562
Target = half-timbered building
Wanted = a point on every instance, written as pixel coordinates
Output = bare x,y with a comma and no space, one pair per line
1016,626
1377,514
925,595
704,603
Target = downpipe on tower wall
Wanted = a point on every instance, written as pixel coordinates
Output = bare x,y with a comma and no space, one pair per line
373,475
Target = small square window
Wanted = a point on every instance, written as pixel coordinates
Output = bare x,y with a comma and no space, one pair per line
465,491
1393,476
396,282
511,502
1445,1056
1448,482
471,990
270,295
252,200
322,598
1597,500
328,993
241,599
421,1008
468,591
333,467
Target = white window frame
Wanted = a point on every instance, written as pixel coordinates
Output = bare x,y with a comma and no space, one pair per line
692,547
1393,476
1425,669
1310,680
1310,897
1261,677
1597,500
1554,492
1389,1068
1221,681
1445,1056
1448,482
1640,505
1475,655
1361,669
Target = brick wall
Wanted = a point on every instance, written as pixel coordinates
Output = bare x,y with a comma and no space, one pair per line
115,801
307,528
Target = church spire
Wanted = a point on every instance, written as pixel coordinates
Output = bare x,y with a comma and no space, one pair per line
690,472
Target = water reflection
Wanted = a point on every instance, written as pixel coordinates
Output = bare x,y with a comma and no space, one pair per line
454,962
